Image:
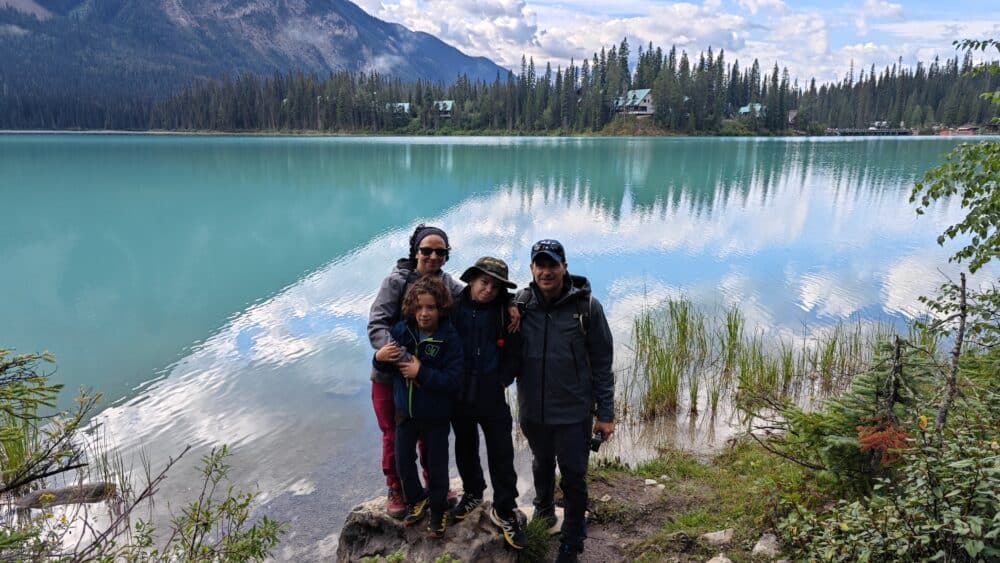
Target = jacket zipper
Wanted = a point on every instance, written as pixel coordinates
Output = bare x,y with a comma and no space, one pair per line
545,353
576,367
477,333
409,382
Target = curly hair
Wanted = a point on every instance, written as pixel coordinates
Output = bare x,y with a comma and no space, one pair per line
431,285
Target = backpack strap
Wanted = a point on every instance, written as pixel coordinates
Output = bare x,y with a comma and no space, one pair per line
583,314
522,295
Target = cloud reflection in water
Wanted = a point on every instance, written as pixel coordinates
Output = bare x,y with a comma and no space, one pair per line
800,241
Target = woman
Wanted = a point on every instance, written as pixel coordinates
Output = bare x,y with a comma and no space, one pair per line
429,250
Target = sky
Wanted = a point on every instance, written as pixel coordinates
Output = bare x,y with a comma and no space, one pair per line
813,39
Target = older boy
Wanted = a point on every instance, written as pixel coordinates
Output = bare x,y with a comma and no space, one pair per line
481,318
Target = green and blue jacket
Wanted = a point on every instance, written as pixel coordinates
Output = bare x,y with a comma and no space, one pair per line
431,394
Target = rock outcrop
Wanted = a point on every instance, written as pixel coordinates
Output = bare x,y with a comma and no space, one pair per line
370,532
767,546
721,538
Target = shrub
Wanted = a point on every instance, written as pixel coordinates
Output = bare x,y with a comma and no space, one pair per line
36,449
944,507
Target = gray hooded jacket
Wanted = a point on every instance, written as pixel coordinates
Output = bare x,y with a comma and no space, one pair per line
566,357
386,310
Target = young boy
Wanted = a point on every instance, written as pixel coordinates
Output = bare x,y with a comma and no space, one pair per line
490,351
425,354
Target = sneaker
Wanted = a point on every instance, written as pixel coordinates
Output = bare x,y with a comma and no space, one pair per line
438,524
511,529
465,506
568,553
395,506
415,512
546,514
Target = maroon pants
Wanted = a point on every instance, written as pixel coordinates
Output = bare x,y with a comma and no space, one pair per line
385,414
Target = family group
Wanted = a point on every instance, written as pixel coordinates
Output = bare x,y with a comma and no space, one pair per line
446,352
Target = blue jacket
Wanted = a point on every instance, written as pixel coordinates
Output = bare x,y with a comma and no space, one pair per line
440,375
385,310
491,353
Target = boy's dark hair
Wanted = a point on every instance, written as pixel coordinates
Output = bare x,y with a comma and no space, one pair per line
431,285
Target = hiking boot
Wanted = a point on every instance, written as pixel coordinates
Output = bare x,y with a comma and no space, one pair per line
395,506
415,512
510,527
568,553
546,514
438,524
465,506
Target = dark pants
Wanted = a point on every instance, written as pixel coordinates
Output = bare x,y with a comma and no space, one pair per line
569,446
385,415
434,434
499,456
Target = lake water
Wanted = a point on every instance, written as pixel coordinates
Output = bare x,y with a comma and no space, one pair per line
216,289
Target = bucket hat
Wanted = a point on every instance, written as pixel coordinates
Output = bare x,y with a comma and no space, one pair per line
493,267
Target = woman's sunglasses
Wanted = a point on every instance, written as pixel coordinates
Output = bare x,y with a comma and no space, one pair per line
426,251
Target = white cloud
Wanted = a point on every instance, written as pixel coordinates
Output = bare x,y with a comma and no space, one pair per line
941,30
809,41
876,9
12,30
28,7
802,28
754,6
498,29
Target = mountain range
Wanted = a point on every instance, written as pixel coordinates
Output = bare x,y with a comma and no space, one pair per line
146,47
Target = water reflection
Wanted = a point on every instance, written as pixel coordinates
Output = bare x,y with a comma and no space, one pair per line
203,243
285,381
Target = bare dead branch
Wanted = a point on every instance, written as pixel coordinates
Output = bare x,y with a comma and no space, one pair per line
778,453
951,376
114,528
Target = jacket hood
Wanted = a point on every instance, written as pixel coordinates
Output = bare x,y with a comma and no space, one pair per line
404,266
579,286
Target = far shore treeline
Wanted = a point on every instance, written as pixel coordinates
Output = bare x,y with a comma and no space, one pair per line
692,95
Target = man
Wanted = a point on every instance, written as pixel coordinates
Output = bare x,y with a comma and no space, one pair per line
565,379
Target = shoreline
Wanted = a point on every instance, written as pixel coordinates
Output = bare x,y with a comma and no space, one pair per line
319,134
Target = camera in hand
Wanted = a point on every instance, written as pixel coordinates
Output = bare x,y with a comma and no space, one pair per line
597,440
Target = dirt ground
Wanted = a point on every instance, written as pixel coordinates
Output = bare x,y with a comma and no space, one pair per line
624,512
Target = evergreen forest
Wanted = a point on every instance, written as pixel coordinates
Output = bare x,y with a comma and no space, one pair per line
692,95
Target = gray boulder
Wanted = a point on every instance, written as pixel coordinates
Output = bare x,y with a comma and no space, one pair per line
767,546
721,538
370,532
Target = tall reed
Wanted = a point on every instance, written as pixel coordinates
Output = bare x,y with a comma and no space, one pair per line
679,347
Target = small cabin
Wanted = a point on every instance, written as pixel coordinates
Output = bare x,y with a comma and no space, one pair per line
636,102
444,108
960,131
753,110
402,108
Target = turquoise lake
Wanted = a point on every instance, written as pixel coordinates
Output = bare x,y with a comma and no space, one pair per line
216,289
